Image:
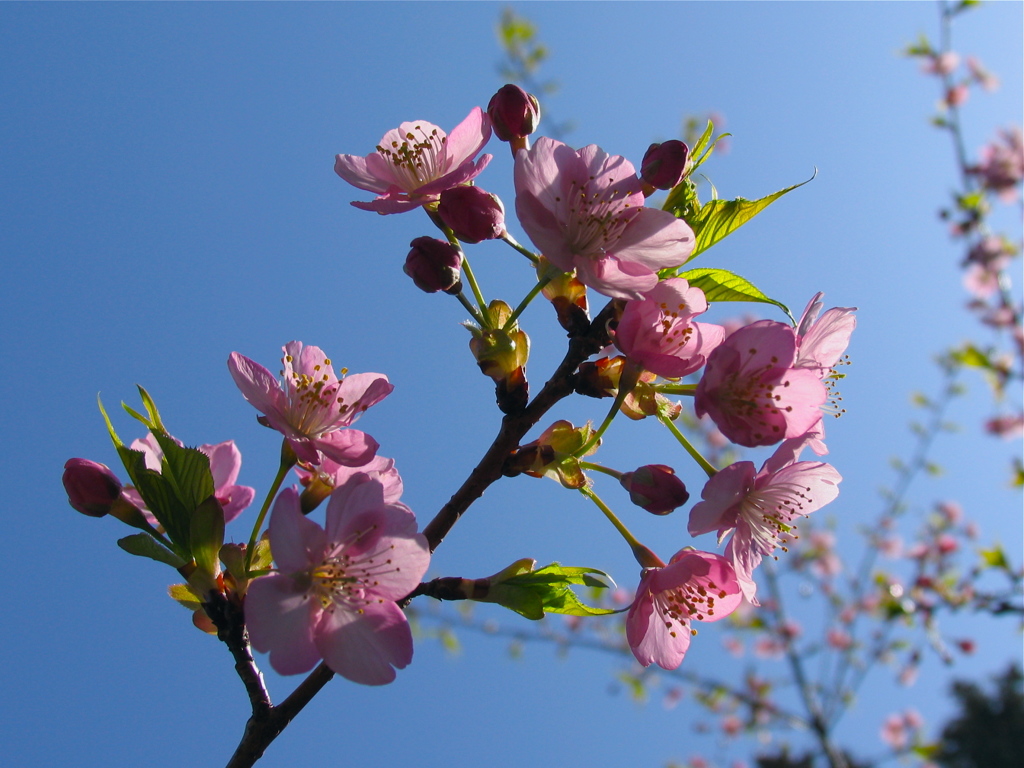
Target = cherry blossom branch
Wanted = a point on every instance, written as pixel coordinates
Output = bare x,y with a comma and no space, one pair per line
515,426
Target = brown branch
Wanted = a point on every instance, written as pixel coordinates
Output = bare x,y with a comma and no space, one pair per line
515,426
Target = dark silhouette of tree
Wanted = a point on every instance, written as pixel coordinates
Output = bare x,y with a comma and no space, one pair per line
989,732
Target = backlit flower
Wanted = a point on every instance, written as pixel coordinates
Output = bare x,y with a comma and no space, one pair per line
585,210
759,509
333,594
694,585
312,407
753,392
416,162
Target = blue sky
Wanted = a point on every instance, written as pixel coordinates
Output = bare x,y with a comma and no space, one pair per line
168,197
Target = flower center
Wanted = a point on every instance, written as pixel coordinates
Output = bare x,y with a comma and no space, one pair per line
351,582
595,217
770,514
415,157
314,407
696,601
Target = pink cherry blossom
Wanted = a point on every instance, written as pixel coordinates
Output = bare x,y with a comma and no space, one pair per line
694,585
312,407
320,482
753,392
585,210
225,463
333,595
759,509
415,162
658,332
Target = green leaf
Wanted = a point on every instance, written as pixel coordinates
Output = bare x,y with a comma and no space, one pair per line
144,545
183,594
994,558
549,589
207,535
720,285
720,218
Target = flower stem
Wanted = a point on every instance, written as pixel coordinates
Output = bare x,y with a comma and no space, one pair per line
525,303
643,555
288,460
676,389
473,311
522,249
627,380
598,468
474,286
704,463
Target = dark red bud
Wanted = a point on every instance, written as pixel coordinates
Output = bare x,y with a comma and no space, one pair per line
664,164
434,265
514,113
472,214
91,487
656,488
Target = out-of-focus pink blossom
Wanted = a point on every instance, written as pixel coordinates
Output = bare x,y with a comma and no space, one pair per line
991,249
333,595
225,464
966,645
760,508
957,95
752,391
734,646
890,546
1008,427
659,332
951,511
839,639
981,281
941,63
1000,167
947,544
769,648
585,210
894,732
694,585
312,407
416,162
981,75
731,725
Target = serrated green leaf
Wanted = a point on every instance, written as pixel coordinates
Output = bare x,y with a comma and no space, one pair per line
206,535
720,218
721,285
549,589
144,545
183,595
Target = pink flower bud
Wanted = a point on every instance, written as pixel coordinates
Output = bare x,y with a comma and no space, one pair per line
91,487
656,488
434,265
664,164
472,214
514,113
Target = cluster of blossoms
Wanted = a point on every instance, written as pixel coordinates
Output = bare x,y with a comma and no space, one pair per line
763,384
335,593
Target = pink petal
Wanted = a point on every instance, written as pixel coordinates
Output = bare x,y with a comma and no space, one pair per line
363,172
467,138
279,617
364,647
256,383
296,541
826,341
721,497
348,447
358,392
656,239
616,278
225,462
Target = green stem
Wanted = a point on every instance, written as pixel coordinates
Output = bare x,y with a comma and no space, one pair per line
627,380
598,468
704,463
288,461
643,555
525,303
471,279
473,311
534,258
676,389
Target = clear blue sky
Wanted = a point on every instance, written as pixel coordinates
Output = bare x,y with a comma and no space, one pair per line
168,197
